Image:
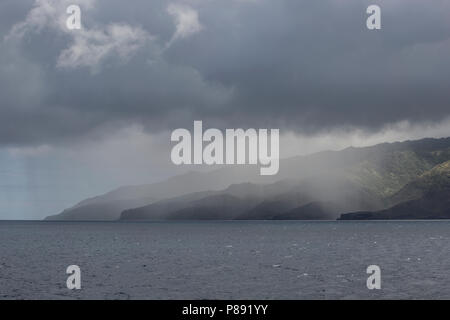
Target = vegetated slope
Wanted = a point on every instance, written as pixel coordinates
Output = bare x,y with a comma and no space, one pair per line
370,176
427,197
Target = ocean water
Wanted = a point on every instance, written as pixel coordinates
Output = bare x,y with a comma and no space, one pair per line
225,260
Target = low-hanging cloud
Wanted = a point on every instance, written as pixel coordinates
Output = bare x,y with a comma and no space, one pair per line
301,66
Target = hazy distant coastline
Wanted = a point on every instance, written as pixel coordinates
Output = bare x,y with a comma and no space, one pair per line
403,180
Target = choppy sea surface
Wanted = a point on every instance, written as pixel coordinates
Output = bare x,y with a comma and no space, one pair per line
225,260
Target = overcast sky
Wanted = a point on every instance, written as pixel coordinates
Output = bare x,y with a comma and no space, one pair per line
84,111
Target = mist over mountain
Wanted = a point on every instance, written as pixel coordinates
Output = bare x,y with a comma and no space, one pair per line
427,197
110,205
85,111
318,186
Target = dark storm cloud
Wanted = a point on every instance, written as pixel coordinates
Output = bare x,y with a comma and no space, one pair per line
302,65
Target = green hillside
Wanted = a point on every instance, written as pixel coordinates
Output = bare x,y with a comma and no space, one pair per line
427,197
386,174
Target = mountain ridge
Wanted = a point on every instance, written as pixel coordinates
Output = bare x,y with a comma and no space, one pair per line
376,172
427,197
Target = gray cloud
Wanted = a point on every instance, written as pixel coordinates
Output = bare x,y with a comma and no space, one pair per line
305,66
